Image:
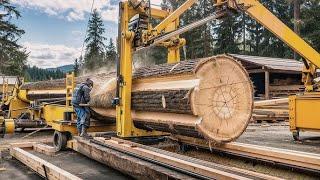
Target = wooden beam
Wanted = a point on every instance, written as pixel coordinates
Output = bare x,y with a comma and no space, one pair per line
173,161
271,102
252,71
266,84
44,149
42,167
129,154
284,156
132,166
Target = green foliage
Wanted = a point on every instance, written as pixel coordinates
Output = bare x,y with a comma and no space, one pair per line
37,74
311,22
227,33
12,56
111,53
76,67
199,40
95,48
239,33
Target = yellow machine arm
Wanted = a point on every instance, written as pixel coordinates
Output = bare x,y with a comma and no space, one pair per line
262,15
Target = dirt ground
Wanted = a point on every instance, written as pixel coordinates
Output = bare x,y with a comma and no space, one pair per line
71,161
273,135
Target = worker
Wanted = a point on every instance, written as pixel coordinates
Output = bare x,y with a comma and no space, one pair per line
80,100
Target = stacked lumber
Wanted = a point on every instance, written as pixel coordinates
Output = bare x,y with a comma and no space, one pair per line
209,98
285,90
273,110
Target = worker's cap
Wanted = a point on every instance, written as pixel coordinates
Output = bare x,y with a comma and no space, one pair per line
89,82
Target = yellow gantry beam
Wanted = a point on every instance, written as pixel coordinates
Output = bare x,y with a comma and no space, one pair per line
261,14
174,15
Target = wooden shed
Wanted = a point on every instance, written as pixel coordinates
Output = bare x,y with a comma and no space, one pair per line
7,83
273,77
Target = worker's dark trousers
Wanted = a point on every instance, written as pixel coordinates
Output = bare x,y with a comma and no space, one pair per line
83,117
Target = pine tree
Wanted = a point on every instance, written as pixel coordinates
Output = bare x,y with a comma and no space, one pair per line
228,32
95,48
260,40
199,41
311,27
76,67
111,53
37,74
12,56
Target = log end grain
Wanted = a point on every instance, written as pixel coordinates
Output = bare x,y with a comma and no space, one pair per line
223,101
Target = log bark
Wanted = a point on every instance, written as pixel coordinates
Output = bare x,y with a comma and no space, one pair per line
210,98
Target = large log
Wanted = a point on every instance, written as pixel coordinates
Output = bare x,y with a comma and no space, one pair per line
210,98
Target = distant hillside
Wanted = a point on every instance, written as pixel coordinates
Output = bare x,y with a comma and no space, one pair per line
65,68
37,74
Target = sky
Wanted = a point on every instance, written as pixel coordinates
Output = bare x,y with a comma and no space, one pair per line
55,29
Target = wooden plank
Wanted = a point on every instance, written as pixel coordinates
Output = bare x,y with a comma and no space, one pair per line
44,149
290,157
173,161
286,88
252,71
167,157
274,112
271,102
23,144
132,166
41,166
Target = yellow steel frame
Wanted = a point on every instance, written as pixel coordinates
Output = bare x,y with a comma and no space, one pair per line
124,123
304,112
71,127
70,85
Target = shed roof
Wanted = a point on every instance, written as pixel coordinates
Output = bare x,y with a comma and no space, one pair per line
271,63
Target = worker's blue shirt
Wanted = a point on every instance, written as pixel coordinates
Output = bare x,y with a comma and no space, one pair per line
81,94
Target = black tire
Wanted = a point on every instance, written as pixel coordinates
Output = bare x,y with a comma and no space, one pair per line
296,135
60,140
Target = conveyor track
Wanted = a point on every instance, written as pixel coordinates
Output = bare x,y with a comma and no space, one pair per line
194,168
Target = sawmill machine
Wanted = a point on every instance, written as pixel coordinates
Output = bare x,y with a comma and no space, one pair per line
136,32
37,108
200,116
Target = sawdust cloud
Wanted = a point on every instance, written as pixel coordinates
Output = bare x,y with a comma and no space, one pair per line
105,77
